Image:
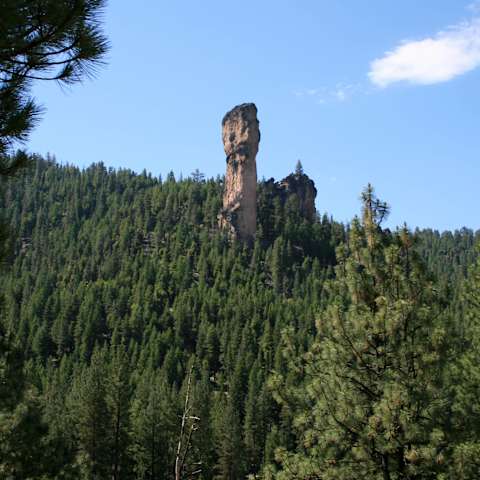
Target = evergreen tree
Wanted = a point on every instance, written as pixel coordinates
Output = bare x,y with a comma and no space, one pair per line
465,381
43,40
298,168
24,449
103,254
118,396
230,450
154,428
93,419
374,393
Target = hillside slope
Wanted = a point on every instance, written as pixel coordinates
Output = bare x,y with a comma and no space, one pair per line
118,283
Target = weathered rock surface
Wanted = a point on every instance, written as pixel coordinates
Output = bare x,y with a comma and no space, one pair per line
241,136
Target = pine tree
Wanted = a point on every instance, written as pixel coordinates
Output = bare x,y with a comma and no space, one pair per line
118,396
374,373
24,448
299,168
93,418
153,428
203,451
82,277
258,418
229,445
44,40
464,378
277,262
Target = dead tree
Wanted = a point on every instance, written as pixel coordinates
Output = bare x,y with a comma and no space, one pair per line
190,424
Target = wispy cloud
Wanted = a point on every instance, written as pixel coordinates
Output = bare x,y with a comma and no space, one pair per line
435,59
474,7
341,92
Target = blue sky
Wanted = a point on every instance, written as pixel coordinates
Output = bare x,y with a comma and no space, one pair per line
377,91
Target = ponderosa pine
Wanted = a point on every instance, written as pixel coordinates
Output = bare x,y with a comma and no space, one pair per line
374,404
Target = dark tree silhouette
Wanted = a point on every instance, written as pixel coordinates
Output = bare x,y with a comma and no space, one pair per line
58,40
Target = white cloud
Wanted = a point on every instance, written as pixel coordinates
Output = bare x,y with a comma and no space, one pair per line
432,60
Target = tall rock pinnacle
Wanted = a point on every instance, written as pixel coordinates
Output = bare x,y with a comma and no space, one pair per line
241,137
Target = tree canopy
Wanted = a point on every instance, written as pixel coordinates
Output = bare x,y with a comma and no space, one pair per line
119,282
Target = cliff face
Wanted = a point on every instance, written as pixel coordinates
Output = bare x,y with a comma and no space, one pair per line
241,136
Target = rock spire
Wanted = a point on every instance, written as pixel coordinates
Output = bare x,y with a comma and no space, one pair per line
241,136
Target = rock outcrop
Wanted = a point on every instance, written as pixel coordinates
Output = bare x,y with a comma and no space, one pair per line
303,188
241,136
296,185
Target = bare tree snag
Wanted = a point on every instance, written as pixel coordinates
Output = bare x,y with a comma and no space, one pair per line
190,424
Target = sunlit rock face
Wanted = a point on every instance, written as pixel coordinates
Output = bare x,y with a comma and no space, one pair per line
241,136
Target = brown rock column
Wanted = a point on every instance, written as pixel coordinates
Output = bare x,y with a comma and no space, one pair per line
241,137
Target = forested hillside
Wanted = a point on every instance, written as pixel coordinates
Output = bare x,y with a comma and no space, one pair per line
119,291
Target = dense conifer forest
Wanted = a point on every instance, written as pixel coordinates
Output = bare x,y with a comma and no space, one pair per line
141,342
151,329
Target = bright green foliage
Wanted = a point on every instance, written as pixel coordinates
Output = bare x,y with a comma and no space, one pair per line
374,403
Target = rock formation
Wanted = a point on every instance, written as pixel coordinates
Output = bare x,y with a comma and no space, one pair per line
241,137
300,185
